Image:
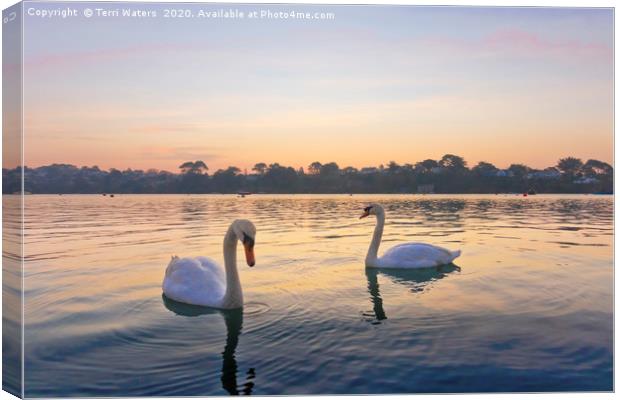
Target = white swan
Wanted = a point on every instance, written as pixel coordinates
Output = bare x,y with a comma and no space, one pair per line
203,282
406,255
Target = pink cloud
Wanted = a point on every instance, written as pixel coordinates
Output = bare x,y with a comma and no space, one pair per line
97,56
520,39
179,153
523,43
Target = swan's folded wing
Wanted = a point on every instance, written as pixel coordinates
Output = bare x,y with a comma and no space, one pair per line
210,266
194,280
417,255
418,249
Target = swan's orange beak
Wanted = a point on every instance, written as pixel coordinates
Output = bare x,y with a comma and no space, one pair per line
365,214
249,253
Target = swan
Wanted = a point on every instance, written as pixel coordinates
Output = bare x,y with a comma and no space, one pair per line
406,255
203,282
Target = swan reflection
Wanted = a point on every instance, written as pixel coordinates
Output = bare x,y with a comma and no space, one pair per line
417,280
234,325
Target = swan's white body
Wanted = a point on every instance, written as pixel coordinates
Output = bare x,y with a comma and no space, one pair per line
202,281
406,255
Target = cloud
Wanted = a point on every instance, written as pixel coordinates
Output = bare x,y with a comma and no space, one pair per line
521,39
522,43
181,153
168,128
77,58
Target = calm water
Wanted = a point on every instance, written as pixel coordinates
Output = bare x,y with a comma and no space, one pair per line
529,307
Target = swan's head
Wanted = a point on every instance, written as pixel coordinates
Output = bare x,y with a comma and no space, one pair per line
372,209
246,233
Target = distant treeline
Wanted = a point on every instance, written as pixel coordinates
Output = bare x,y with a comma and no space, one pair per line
450,174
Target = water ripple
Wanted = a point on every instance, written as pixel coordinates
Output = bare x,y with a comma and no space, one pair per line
527,308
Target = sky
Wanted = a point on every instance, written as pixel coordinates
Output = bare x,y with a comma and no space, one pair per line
375,84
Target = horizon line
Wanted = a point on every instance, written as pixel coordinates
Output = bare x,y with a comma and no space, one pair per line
306,167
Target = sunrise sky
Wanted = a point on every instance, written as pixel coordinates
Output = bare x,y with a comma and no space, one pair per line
375,84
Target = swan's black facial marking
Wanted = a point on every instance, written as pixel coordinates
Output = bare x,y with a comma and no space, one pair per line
248,240
366,212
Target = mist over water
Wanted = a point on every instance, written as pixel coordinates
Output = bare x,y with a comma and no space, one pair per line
527,307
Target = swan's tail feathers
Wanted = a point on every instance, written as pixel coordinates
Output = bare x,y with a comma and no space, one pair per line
173,260
455,254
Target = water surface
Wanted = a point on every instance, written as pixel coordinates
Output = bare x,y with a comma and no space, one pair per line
528,307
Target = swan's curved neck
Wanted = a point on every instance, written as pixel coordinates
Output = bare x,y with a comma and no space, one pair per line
373,250
233,298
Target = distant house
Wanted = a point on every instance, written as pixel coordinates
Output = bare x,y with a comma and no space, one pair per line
489,173
426,189
369,170
585,180
549,173
504,173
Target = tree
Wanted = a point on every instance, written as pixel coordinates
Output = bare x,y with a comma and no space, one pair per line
349,171
593,168
315,168
200,167
329,169
328,178
453,163
520,171
393,167
426,165
227,180
196,167
484,169
260,168
570,166
233,171
281,179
